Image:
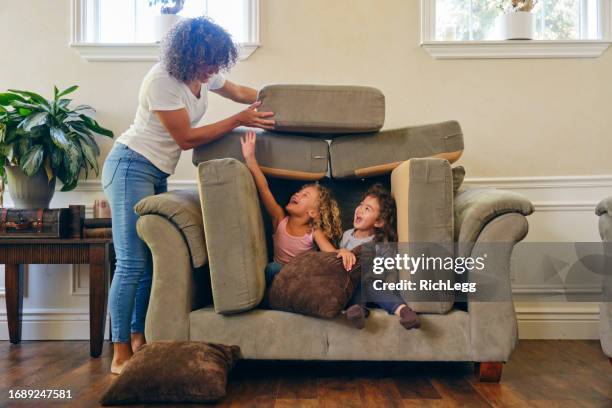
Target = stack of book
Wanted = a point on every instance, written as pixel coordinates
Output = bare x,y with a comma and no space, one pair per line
97,228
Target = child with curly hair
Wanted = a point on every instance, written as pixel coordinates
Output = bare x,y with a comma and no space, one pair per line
374,221
311,217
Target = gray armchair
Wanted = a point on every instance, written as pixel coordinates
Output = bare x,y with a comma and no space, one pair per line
604,211
486,333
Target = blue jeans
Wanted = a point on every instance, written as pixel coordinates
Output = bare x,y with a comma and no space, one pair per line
272,269
386,300
127,178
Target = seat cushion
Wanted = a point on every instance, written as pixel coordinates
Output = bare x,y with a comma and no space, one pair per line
283,156
324,110
183,209
423,192
173,372
235,238
314,284
379,153
276,335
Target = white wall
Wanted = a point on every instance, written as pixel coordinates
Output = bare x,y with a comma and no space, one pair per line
540,127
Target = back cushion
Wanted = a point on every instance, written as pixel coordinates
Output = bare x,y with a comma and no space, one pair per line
234,231
324,110
283,156
423,191
379,153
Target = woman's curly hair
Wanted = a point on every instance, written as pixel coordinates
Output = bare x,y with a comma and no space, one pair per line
388,213
195,45
329,214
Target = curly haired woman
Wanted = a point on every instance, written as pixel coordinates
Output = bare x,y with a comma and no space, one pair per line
172,101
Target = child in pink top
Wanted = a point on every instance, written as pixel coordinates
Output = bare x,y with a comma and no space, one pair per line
311,217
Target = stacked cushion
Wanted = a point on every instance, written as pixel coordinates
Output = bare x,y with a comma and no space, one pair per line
284,156
324,110
379,153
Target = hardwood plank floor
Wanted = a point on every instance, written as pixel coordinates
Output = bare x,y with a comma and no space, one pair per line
541,373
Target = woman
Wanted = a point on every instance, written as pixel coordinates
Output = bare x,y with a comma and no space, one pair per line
171,102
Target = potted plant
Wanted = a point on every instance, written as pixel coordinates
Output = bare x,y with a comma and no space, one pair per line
43,140
168,16
517,22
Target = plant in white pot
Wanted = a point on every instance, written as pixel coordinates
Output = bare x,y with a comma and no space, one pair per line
168,16
43,140
517,22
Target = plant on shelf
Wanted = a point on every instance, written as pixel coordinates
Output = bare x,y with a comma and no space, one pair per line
168,6
517,5
47,139
517,22
167,18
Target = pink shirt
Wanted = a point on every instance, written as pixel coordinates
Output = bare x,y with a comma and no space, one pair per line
287,246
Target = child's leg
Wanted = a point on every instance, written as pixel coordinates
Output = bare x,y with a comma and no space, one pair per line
394,304
272,269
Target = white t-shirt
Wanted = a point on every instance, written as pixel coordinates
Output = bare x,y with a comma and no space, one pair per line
161,92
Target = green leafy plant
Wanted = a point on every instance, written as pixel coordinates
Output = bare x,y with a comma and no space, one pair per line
168,6
36,132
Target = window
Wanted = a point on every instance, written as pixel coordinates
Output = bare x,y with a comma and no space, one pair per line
466,20
124,29
563,28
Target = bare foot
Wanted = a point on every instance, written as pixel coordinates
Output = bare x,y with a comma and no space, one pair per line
117,368
138,340
122,352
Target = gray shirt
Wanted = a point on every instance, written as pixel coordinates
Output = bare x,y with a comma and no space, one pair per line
349,241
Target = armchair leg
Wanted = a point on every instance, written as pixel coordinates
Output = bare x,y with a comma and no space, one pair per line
489,371
610,359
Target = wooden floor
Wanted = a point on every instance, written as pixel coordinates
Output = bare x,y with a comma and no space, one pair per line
540,374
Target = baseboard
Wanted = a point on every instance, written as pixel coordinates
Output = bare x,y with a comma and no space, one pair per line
575,322
52,324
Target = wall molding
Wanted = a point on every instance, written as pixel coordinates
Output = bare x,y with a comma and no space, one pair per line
505,183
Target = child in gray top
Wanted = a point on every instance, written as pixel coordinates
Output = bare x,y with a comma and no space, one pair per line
374,221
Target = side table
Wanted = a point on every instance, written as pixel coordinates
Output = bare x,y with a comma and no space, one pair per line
98,253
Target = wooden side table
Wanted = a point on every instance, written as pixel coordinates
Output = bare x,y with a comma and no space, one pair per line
98,253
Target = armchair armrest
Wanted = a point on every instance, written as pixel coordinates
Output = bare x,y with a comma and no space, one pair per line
172,287
484,216
183,209
604,210
604,207
476,207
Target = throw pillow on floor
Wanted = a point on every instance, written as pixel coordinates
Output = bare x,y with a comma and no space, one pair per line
174,372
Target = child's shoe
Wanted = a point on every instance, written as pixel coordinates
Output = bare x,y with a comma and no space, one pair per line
356,316
409,318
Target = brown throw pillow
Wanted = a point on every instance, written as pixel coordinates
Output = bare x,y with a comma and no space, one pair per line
174,372
314,284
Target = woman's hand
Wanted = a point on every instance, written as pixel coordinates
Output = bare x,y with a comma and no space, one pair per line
250,117
248,146
348,258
